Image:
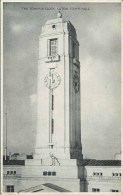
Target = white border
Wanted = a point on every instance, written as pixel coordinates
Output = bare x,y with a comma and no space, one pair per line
1,152
61,1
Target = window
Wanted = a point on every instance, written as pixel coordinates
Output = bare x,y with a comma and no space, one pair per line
95,190
114,190
53,47
52,126
45,173
11,172
54,26
116,174
49,173
10,188
97,174
53,173
52,102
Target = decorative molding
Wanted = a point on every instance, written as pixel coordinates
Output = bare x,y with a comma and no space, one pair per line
76,62
52,58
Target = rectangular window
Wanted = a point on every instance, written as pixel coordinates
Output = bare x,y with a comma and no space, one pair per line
14,172
52,126
53,47
115,174
97,174
10,188
45,173
114,190
49,173
7,172
95,190
53,173
52,102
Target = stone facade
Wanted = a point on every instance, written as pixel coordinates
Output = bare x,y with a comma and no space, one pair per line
31,176
64,141
102,178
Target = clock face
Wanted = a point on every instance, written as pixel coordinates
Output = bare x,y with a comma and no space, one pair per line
76,82
52,80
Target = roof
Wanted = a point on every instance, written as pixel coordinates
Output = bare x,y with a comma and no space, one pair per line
47,187
14,162
54,187
33,189
93,162
84,162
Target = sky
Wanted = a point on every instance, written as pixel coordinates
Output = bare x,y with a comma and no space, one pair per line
98,32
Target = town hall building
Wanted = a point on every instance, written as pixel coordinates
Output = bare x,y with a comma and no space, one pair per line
57,164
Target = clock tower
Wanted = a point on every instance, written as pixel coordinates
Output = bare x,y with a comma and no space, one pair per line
58,92
56,164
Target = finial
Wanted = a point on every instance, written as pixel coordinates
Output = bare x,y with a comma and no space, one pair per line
59,15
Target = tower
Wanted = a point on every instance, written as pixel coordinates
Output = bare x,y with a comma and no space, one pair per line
58,92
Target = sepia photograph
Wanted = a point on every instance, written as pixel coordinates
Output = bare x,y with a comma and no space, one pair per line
61,89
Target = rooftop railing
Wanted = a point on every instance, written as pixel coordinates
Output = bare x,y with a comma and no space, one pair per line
102,178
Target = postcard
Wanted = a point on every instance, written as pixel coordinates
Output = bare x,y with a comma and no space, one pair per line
61,97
